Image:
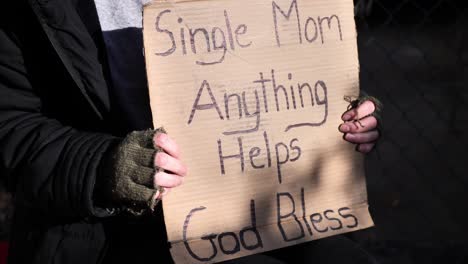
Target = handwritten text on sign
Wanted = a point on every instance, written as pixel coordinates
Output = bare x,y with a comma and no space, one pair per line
253,93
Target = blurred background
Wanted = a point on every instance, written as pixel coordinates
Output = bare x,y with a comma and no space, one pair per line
414,57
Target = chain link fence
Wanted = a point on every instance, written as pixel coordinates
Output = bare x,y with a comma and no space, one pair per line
414,57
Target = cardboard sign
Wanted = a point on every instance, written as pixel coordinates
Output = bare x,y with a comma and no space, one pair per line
253,91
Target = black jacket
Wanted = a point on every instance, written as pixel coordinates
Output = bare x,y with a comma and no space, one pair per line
55,128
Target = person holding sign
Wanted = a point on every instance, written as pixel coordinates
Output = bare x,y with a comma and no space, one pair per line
76,144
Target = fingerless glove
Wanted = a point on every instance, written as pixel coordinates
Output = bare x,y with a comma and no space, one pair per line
128,182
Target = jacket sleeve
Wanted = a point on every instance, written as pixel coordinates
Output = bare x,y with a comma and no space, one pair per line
51,167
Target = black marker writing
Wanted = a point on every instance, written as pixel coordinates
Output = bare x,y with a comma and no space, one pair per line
203,40
248,238
311,28
208,237
288,95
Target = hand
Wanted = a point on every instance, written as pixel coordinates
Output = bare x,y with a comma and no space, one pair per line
140,170
172,170
360,127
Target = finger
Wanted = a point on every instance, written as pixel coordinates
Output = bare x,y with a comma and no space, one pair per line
167,180
361,111
362,138
365,148
167,144
366,124
169,163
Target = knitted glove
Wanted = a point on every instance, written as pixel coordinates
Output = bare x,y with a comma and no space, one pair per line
130,182
354,103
